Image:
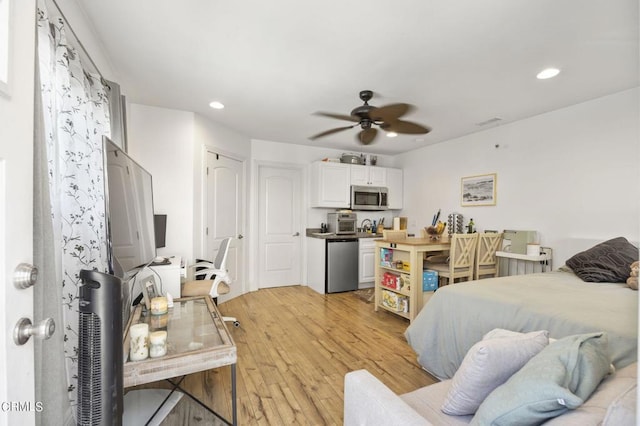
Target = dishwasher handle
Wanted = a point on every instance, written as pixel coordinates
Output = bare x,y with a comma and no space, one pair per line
342,240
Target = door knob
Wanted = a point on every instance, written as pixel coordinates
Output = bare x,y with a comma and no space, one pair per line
24,330
25,276
240,236
296,234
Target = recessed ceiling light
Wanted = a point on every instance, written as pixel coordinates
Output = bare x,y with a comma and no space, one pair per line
216,105
548,73
391,134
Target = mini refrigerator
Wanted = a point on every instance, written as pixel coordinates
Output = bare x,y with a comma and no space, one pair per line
341,265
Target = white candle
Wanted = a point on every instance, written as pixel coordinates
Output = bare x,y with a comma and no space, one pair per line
158,344
138,342
159,305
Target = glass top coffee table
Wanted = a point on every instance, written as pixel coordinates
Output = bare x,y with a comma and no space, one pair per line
197,340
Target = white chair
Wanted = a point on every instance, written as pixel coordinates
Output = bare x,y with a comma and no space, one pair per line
216,278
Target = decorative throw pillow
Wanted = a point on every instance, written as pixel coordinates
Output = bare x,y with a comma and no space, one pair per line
561,377
632,281
605,262
488,364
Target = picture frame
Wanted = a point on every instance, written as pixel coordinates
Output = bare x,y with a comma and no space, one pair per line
478,190
149,290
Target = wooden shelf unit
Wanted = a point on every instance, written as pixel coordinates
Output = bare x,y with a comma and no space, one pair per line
411,250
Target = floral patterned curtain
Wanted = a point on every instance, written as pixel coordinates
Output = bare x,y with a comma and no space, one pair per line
76,115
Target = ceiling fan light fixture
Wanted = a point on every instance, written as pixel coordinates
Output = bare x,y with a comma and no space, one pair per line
216,105
548,73
391,134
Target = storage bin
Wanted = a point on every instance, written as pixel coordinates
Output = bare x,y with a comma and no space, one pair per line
391,281
429,280
405,282
395,301
386,257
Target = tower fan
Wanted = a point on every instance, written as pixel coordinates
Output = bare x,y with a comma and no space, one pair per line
100,357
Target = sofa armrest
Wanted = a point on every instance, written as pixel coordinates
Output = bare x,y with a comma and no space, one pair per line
367,401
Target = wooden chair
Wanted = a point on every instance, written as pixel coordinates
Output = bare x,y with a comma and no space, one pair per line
486,261
462,256
389,234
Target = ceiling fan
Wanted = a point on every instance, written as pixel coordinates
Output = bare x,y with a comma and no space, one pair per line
367,116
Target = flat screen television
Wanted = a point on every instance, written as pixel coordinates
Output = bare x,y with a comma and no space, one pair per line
129,210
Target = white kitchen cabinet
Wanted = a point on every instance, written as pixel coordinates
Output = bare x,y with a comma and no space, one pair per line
366,262
368,175
330,184
316,256
395,187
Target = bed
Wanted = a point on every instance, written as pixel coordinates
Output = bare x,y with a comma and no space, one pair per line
458,315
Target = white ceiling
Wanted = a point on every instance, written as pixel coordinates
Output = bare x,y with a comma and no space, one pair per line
274,63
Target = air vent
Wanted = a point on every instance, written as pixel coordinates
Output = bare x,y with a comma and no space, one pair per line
489,121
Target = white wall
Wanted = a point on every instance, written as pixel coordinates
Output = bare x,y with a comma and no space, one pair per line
568,174
161,141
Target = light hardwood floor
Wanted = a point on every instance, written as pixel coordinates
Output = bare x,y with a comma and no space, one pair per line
294,348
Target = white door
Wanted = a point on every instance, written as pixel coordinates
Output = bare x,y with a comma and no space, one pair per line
225,215
16,212
280,233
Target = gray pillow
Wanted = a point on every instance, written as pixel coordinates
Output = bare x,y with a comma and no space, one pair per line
607,262
561,377
488,364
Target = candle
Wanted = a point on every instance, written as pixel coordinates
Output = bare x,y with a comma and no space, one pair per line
158,344
139,342
159,305
159,322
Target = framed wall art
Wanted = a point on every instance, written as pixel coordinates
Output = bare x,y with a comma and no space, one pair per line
479,190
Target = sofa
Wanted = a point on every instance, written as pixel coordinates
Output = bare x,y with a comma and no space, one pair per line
581,390
367,401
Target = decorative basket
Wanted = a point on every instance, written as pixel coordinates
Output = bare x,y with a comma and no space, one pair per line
433,232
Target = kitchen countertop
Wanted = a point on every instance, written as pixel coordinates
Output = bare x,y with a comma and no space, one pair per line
315,233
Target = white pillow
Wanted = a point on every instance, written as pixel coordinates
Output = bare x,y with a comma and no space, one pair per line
488,364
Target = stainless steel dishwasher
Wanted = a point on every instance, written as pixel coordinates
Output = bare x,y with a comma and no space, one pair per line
342,265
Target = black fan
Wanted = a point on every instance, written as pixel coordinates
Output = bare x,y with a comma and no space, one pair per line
366,116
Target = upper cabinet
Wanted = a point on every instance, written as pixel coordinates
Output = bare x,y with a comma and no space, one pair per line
368,175
330,184
395,187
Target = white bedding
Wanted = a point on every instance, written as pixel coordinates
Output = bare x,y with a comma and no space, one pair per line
458,315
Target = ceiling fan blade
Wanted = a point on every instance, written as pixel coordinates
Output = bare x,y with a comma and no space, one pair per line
366,136
338,116
407,127
331,131
390,112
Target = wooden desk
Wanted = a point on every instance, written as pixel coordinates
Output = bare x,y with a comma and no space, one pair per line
197,340
411,250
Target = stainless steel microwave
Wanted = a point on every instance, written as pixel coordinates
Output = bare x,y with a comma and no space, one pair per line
369,197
